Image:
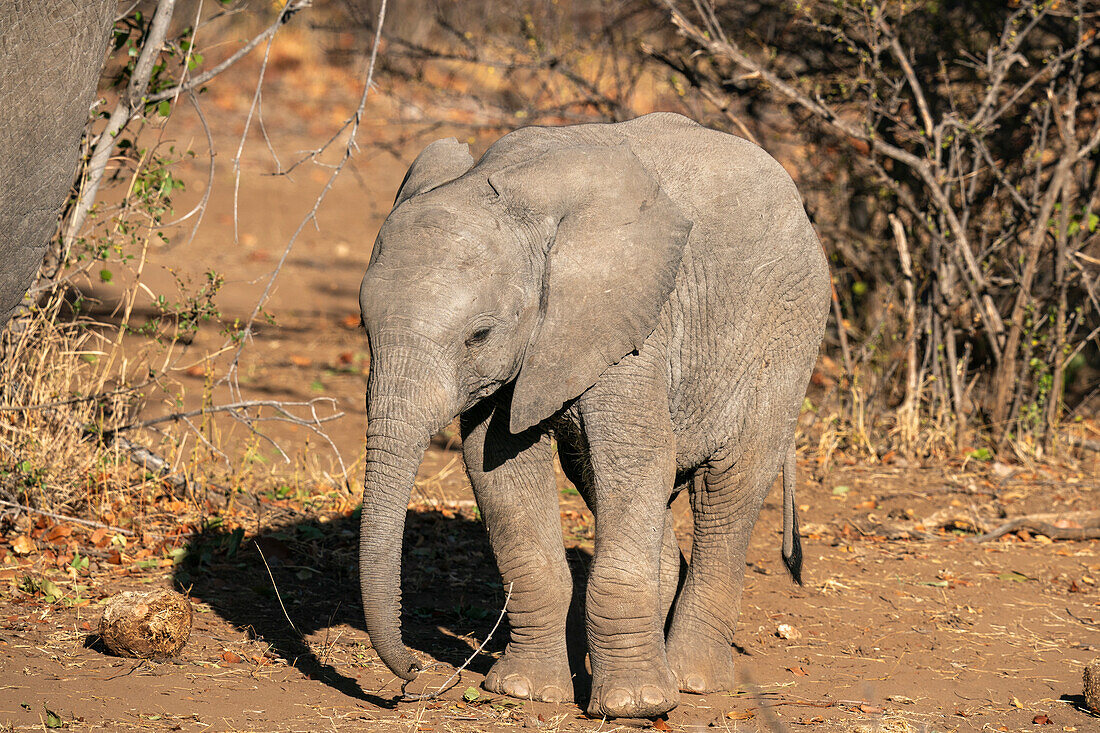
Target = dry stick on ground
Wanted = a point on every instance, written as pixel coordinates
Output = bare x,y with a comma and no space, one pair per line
64,518
1088,529
152,463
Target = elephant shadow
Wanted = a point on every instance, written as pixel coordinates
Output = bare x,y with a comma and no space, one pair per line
294,581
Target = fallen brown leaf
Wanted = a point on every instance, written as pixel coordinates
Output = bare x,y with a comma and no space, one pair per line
798,671
23,545
299,360
741,714
231,657
1042,720
661,724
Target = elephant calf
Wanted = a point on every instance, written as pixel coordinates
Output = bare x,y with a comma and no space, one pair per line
652,294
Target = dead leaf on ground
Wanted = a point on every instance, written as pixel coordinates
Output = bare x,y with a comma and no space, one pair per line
231,657
798,671
299,360
786,631
23,545
661,724
1042,720
741,714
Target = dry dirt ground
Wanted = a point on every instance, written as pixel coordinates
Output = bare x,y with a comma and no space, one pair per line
904,623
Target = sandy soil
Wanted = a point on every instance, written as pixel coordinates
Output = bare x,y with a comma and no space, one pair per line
931,632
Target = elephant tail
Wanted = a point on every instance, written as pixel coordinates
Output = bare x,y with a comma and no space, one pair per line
792,544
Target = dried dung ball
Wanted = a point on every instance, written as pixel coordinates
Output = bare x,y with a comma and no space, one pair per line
149,624
1092,685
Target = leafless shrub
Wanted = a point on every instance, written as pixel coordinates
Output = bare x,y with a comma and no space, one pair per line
967,137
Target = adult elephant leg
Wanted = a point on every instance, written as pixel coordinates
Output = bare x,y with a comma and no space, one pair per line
51,54
725,505
632,454
513,481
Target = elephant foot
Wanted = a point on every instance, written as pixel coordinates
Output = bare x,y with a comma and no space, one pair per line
702,667
633,694
542,679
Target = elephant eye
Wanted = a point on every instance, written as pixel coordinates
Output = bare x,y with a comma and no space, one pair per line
477,337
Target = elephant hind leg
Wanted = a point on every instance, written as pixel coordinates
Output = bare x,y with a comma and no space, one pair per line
725,505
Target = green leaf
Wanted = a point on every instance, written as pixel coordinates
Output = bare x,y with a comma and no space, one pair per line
1014,576
981,454
311,532
105,275
53,720
471,694
840,490
164,108
49,589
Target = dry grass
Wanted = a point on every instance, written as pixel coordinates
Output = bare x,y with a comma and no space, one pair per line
50,407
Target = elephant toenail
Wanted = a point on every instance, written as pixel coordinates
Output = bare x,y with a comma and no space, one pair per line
517,687
652,696
695,683
617,700
551,693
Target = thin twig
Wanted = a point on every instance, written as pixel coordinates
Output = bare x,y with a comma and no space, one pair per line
278,595
129,102
236,408
457,676
199,79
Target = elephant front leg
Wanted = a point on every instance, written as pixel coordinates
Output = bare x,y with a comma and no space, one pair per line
633,467
513,481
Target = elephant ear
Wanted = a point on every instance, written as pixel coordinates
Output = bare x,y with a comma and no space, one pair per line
441,162
613,244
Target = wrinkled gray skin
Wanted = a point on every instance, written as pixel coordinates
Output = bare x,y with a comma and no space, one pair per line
51,53
652,294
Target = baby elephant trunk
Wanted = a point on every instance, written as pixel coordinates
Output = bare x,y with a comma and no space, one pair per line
398,432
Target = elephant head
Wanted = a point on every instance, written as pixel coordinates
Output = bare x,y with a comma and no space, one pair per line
538,273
